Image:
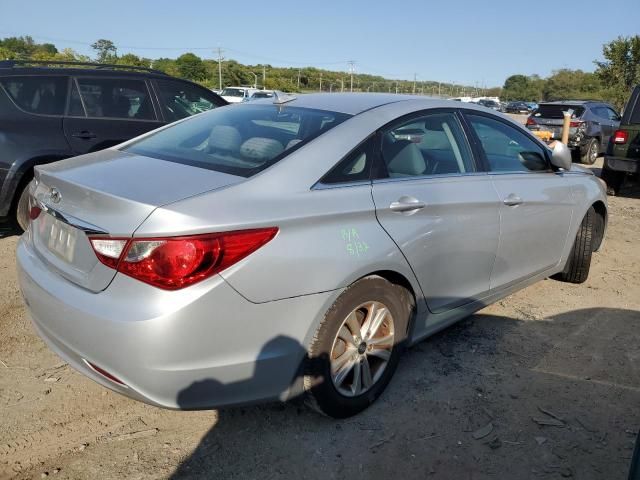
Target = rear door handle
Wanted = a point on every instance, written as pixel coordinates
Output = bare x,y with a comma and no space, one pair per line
84,135
407,204
512,200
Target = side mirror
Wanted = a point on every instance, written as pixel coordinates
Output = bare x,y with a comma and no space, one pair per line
561,156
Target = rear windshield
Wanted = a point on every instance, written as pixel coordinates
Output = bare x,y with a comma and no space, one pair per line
239,140
555,111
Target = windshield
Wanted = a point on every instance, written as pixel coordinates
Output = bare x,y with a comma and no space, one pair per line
241,140
232,92
262,95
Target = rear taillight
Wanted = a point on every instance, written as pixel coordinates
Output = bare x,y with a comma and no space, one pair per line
531,121
621,137
576,124
177,262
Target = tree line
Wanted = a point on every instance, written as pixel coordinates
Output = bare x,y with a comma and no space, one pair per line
206,71
612,81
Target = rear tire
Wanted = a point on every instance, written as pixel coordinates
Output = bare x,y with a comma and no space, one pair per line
576,269
591,153
21,213
368,357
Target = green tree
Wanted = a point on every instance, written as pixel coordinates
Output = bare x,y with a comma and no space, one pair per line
190,66
620,70
572,84
521,87
106,50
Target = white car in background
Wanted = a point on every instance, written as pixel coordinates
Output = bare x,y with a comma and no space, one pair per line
237,94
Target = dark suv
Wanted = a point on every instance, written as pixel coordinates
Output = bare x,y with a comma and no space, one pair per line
592,124
623,152
50,113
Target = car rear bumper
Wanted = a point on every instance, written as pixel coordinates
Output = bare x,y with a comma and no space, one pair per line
202,347
619,164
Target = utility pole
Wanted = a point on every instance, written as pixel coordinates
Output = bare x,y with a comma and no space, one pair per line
320,81
264,77
220,58
352,67
342,85
415,75
298,79
396,86
438,88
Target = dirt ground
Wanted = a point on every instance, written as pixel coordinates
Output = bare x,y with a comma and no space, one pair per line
544,384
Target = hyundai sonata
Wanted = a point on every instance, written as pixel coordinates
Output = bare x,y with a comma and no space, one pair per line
294,246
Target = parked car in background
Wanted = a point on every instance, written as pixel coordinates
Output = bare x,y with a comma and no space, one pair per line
260,94
532,106
237,94
622,158
592,124
49,113
295,246
492,104
517,107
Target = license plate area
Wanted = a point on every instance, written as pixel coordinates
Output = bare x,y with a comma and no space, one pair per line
58,237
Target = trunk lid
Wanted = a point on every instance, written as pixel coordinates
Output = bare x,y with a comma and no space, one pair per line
109,192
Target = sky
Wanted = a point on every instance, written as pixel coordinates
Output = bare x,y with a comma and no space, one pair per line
463,41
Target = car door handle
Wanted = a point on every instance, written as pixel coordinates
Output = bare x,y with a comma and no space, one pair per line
406,204
85,135
512,200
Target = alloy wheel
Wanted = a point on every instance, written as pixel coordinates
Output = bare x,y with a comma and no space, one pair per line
362,348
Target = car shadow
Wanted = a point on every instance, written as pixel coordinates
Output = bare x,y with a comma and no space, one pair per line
491,396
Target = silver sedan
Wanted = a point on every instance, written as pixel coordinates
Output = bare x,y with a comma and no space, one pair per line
295,246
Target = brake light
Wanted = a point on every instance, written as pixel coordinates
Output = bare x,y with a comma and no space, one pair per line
576,124
621,137
531,121
172,263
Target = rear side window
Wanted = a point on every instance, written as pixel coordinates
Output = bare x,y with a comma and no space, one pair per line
38,94
241,140
180,100
116,98
555,111
506,148
355,167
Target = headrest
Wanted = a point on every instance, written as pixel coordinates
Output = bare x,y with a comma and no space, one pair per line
224,137
260,148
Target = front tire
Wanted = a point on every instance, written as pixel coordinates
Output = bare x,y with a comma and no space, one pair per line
356,348
576,269
591,152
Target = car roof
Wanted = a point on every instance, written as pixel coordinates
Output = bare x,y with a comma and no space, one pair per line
94,72
570,102
354,103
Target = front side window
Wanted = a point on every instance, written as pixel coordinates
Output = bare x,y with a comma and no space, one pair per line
116,98
38,94
507,149
242,140
433,144
180,100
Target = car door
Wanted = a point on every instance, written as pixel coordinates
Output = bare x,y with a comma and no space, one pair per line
106,111
536,202
437,207
179,99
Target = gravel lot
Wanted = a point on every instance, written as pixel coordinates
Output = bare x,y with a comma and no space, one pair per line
544,384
